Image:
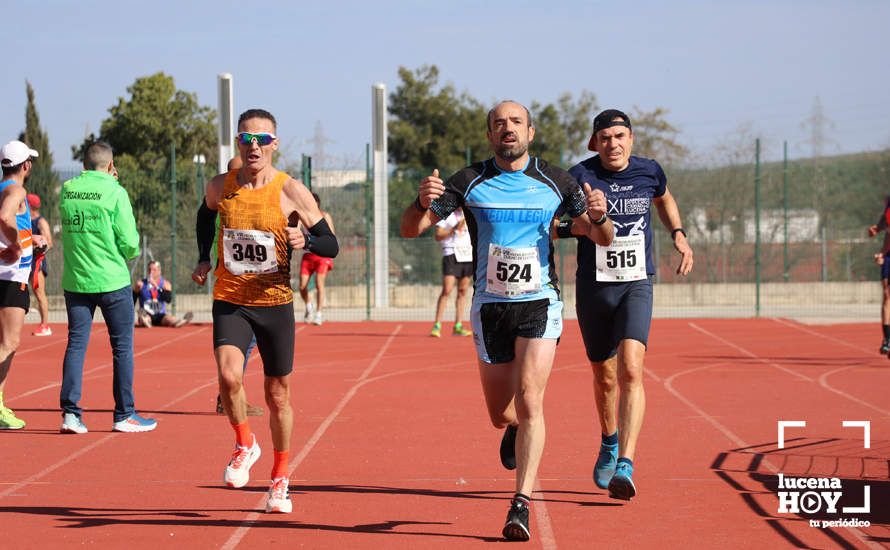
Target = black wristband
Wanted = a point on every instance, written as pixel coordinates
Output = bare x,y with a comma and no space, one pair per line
564,229
677,230
602,220
416,204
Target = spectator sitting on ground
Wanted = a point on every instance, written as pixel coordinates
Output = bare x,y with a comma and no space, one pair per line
153,294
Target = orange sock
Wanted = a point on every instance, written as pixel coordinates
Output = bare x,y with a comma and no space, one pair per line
243,434
279,468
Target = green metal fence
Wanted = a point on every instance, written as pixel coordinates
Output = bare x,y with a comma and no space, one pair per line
810,256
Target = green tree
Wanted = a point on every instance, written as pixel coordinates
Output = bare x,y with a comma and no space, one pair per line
43,181
656,138
562,130
433,125
142,128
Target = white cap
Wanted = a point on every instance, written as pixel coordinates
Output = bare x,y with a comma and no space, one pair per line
15,152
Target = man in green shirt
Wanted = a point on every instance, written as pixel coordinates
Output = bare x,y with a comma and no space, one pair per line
98,237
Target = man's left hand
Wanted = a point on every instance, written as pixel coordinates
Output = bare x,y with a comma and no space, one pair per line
682,246
295,237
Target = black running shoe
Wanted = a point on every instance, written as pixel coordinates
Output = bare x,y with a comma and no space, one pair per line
508,448
885,347
516,527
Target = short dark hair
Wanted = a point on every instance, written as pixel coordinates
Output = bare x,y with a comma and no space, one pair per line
257,113
9,171
99,154
528,113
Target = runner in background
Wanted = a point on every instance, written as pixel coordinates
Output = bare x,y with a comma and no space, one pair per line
39,269
882,258
457,270
313,263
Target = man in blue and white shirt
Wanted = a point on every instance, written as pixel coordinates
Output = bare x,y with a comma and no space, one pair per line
509,201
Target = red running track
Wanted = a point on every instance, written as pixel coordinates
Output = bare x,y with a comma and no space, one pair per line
392,447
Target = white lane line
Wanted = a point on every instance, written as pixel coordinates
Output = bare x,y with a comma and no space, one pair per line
104,366
251,518
743,351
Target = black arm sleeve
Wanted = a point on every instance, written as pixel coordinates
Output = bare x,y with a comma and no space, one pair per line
322,241
165,295
204,229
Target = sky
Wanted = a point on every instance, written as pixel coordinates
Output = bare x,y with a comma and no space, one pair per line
725,71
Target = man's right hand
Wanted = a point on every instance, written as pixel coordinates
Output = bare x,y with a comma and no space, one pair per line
199,275
431,188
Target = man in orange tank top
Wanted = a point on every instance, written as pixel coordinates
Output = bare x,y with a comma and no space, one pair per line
259,209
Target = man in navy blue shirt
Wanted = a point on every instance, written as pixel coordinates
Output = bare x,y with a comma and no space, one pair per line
508,203
614,289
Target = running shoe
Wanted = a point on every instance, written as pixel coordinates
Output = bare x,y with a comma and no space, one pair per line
885,346
186,319
318,320
604,468
622,485
238,470
135,423
279,502
72,424
508,448
437,330
310,311
459,330
9,421
516,527
43,330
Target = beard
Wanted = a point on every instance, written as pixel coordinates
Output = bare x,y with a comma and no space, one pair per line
511,151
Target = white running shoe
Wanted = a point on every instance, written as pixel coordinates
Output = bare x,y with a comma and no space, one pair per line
318,319
279,502
238,470
72,424
310,311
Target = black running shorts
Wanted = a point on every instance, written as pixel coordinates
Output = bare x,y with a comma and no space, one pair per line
14,294
234,325
611,312
450,266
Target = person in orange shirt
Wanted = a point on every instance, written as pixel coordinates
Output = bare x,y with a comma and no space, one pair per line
259,209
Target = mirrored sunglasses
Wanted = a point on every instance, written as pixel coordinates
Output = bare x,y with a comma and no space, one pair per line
246,138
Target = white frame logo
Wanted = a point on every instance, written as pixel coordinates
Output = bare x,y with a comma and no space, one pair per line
813,495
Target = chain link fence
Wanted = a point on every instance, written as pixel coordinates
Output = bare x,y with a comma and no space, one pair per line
810,258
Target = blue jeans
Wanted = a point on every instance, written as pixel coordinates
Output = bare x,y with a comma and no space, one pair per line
117,309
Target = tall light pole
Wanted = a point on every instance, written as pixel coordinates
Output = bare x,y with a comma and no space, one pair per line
226,121
381,196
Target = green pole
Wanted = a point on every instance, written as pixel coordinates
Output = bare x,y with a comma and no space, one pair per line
368,184
757,227
785,208
469,155
309,172
173,221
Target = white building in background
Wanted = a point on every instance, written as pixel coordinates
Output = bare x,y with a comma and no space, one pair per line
803,227
337,178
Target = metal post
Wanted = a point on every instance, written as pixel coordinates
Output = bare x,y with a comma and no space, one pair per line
226,121
381,196
469,155
757,227
369,181
173,222
787,271
824,255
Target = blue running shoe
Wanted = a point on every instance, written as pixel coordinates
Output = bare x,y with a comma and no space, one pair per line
622,484
604,468
135,423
